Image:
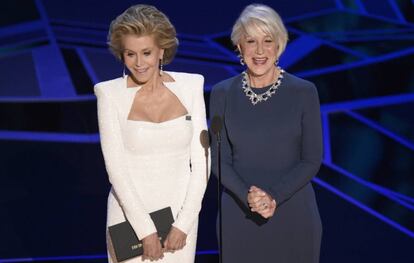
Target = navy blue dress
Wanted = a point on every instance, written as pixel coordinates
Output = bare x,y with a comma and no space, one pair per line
277,146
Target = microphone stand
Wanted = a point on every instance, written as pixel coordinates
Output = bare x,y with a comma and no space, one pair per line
219,197
216,126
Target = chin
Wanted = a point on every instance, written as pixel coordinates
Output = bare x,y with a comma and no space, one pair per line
140,79
144,77
259,71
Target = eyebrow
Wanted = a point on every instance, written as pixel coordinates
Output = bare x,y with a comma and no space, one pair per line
143,50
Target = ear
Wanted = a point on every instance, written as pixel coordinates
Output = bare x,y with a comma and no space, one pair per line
162,54
239,48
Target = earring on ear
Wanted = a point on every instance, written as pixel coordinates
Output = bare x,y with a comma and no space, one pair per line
277,62
241,59
161,67
123,72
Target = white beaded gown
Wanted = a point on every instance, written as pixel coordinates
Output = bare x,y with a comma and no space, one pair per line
154,165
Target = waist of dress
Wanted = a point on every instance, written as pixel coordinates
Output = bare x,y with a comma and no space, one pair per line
160,155
259,174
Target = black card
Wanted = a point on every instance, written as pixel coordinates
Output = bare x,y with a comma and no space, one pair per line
126,243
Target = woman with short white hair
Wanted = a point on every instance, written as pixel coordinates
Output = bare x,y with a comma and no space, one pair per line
271,149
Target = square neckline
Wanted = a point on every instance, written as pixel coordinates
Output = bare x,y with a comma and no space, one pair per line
169,85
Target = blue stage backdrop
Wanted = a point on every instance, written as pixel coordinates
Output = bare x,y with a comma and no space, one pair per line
53,184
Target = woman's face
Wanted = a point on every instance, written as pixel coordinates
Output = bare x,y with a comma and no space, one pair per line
259,53
141,56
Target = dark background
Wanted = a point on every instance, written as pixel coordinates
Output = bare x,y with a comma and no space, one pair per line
53,184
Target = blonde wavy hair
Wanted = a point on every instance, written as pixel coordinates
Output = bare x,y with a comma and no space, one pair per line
143,20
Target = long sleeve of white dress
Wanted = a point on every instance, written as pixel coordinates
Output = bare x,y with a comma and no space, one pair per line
200,161
115,162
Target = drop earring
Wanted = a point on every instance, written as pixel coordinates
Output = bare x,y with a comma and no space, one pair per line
241,59
161,67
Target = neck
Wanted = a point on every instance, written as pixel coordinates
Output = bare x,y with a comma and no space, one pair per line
260,81
151,85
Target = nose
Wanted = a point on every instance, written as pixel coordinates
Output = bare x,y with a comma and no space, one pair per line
259,49
137,61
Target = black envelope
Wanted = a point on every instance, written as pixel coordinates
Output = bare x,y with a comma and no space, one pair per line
126,243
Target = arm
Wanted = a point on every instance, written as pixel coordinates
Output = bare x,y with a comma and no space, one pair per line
115,162
200,158
311,150
230,179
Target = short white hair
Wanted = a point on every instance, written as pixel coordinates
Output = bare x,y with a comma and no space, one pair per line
257,18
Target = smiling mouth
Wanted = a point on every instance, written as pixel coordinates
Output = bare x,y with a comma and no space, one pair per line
259,61
142,70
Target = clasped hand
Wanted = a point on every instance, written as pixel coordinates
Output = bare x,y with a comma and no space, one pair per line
261,202
153,251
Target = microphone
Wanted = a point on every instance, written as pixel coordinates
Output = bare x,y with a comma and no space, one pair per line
205,143
216,125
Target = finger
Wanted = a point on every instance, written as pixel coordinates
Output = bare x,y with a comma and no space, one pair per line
159,255
257,190
176,246
252,204
257,199
257,205
171,245
179,245
261,209
172,242
249,197
166,244
254,198
269,213
256,193
261,206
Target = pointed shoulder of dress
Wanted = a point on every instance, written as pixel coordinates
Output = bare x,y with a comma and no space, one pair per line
112,85
183,76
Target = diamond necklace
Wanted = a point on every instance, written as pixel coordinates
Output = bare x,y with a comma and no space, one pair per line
256,98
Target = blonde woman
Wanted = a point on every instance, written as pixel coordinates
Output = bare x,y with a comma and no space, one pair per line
150,122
